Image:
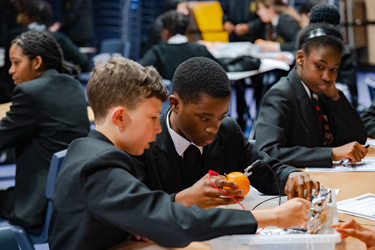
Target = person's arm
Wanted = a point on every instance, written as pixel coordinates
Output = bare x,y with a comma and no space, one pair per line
348,126
353,229
150,58
256,25
289,32
274,129
117,198
20,122
368,117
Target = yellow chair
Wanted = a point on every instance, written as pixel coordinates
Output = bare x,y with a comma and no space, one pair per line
207,17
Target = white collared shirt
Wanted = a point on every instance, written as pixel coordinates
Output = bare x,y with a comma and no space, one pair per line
180,143
307,89
177,39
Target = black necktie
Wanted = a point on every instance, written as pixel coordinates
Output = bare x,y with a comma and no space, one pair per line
191,155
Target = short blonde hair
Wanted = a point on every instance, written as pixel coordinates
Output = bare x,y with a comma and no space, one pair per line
121,81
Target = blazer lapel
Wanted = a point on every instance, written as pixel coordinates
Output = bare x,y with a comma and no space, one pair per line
167,156
306,109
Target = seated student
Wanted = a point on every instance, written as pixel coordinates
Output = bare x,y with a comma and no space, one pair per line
347,73
167,56
241,20
98,201
283,25
305,120
368,118
37,15
48,111
353,229
197,122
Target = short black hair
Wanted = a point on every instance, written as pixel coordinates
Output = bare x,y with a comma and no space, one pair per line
199,76
322,17
175,22
38,11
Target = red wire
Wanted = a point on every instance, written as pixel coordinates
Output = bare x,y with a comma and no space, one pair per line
260,231
209,172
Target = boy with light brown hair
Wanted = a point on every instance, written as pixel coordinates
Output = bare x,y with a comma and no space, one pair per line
98,201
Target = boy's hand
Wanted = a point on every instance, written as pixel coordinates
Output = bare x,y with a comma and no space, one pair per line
293,213
353,229
205,196
353,151
297,183
241,29
229,27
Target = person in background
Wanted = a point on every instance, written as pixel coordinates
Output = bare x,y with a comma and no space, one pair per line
282,25
155,36
37,15
164,56
48,111
98,201
241,21
347,73
352,229
76,22
305,120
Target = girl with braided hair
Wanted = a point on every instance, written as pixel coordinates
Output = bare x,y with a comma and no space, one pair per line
305,121
48,111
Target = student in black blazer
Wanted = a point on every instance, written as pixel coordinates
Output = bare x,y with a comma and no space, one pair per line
282,25
197,118
368,118
48,111
98,201
304,120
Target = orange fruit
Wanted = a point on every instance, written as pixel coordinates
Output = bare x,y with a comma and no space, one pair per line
241,180
259,41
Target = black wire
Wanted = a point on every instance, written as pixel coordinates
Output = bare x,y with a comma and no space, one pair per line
263,202
277,181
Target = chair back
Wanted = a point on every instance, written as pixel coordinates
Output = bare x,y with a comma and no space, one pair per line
7,239
115,45
41,235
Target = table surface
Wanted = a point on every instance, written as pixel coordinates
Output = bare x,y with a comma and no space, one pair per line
351,184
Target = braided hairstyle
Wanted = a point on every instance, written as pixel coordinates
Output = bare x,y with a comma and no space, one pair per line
325,18
42,43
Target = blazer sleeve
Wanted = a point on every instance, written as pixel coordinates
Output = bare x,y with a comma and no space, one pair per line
273,129
115,197
288,30
20,122
256,25
348,126
263,178
151,58
368,117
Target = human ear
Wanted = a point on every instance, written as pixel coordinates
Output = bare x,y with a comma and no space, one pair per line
300,57
174,102
119,116
37,62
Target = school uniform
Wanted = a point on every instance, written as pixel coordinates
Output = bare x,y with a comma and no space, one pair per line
289,129
46,114
284,30
166,57
163,167
243,11
368,118
98,202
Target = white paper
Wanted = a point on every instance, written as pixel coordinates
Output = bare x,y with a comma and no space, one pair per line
361,206
366,165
